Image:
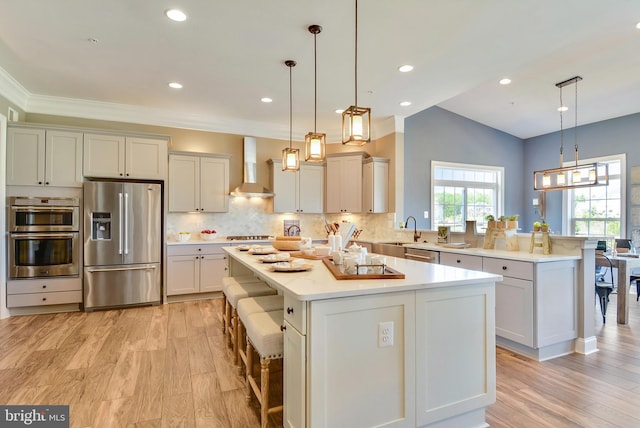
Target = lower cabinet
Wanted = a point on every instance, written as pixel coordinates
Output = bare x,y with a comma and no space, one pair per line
43,291
195,269
380,360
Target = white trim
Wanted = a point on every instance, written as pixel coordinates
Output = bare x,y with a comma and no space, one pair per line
622,157
587,345
4,312
12,90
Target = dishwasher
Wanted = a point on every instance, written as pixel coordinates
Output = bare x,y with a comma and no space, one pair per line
427,256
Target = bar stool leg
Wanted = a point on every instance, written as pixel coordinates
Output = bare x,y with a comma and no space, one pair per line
249,370
223,313
264,390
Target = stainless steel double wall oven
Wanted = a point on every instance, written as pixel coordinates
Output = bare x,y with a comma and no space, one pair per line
43,237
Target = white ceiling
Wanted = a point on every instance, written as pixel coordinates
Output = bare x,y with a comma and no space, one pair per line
229,54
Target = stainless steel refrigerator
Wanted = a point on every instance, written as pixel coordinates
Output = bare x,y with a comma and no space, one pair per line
122,244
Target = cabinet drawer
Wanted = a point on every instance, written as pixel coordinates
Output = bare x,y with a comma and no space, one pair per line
461,260
43,285
194,250
41,299
511,268
295,313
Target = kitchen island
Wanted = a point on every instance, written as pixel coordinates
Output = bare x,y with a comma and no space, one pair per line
412,352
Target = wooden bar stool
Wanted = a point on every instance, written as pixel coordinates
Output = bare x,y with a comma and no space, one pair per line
249,306
226,283
234,294
264,335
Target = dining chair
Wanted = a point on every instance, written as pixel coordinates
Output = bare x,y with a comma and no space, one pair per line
603,287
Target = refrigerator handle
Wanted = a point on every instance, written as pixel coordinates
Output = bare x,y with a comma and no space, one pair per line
126,225
120,223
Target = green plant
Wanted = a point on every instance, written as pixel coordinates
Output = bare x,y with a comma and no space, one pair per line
489,217
536,224
502,218
545,224
514,217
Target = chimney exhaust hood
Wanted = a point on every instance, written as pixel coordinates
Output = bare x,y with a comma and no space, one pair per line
249,187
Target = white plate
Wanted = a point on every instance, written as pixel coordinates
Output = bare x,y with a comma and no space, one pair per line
287,267
268,259
262,251
243,247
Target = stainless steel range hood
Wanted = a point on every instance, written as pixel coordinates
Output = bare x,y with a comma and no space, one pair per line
249,187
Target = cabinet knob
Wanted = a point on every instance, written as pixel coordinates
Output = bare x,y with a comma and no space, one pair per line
44,286
504,268
127,174
283,327
121,174
44,299
46,183
199,249
289,310
39,182
458,261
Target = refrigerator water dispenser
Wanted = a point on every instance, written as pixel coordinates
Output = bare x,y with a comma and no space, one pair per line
100,226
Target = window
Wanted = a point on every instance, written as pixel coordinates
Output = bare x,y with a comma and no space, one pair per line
462,192
598,211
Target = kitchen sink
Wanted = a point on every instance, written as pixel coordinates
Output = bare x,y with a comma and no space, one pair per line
394,249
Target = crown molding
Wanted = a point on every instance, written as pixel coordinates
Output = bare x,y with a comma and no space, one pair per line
12,90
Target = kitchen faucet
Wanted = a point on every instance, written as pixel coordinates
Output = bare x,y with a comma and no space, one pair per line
416,235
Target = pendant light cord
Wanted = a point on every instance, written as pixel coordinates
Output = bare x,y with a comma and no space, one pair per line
356,59
315,83
290,109
575,126
561,129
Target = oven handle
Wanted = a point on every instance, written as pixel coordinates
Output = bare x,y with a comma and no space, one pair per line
418,258
31,208
117,269
46,235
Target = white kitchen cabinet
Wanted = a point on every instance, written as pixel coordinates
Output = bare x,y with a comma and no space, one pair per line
198,183
375,185
463,261
43,291
44,157
344,183
119,156
294,377
195,269
301,191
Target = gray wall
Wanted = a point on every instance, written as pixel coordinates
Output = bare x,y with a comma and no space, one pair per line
609,137
437,134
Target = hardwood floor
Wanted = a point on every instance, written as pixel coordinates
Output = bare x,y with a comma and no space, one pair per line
168,366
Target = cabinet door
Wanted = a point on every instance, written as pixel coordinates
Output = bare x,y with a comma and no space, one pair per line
461,260
295,382
213,267
351,184
146,158
311,189
183,274
103,156
375,187
63,159
214,185
285,185
25,157
334,171
184,183
514,310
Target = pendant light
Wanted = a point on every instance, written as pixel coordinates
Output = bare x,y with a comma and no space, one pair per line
585,175
315,142
356,121
290,156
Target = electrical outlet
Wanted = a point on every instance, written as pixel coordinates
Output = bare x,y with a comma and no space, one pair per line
385,334
426,214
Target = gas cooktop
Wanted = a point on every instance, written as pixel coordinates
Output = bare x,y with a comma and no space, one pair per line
248,238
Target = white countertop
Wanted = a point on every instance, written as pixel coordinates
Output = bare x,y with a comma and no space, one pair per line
525,256
319,283
195,240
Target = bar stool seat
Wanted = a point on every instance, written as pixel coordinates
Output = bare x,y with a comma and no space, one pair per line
264,335
227,282
249,306
234,294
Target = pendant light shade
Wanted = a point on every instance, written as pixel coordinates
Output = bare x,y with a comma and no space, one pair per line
356,121
290,156
581,175
315,142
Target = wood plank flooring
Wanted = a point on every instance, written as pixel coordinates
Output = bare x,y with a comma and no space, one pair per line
168,366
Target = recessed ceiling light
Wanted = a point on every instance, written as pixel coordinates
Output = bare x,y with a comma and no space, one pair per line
175,85
405,68
563,108
339,111
176,15
405,103
638,25
93,40
505,81
266,100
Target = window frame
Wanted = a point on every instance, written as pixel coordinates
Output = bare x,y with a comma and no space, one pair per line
567,196
469,167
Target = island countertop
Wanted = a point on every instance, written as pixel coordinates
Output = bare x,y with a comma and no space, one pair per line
319,283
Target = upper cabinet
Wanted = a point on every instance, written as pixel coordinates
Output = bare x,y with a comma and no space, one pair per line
198,183
375,185
117,156
297,192
344,183
44,157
